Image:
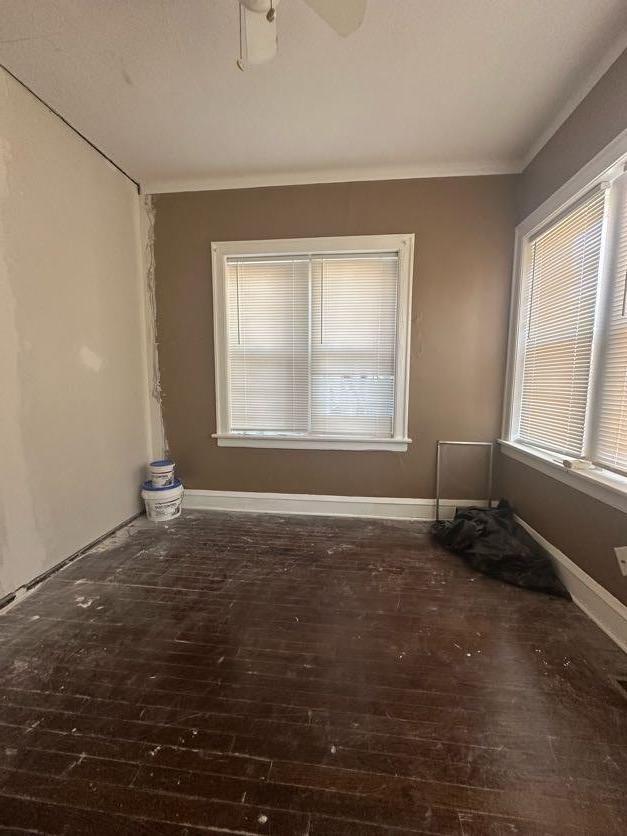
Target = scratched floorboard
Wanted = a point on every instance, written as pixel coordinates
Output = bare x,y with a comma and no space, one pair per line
261,674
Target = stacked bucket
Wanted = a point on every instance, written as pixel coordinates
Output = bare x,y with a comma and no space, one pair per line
162,493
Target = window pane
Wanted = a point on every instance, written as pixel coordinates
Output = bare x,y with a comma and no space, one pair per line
558,312
267,324
312,344
611,445
354,311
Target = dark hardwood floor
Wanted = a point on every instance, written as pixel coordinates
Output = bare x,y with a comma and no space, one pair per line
302,675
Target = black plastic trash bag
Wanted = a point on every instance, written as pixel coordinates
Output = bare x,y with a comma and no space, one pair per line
492,542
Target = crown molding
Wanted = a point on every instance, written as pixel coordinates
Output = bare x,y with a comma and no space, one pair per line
347,175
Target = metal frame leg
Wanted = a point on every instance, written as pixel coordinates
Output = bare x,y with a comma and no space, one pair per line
438,461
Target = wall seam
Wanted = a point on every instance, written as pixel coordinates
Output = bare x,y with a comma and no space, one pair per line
71,127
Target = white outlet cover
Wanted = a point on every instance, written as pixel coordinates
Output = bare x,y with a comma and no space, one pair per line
621,556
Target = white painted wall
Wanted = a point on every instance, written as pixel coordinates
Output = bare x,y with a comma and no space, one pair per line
73,390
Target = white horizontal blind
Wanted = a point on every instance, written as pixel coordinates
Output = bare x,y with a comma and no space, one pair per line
311,343
353,346
557,319
611,441
268,344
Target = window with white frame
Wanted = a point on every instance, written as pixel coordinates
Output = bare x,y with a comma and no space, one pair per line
312,342
568,385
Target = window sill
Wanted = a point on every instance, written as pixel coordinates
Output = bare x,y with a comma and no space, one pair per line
603,485
397,445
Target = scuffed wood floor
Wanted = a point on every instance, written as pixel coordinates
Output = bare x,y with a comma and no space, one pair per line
301,675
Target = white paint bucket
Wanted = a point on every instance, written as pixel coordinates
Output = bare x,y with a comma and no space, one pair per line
162,503
161,473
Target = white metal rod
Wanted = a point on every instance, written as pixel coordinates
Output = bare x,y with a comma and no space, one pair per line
439,444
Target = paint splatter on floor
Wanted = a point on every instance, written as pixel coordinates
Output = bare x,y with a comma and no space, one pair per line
298,675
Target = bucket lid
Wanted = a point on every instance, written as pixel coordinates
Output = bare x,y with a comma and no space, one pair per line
148,486
161,463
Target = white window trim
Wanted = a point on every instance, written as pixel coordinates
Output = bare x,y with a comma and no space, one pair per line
221,250
600,483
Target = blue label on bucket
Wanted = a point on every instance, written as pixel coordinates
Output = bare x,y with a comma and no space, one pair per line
148,486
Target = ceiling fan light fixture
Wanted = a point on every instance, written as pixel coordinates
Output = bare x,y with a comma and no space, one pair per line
257,25
257,32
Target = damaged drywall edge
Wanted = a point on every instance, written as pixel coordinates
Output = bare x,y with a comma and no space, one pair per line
21,543
156,428
13,598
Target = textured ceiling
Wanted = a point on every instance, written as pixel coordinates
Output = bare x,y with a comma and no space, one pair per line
423,85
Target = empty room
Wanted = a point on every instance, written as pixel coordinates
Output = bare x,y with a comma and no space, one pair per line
313,408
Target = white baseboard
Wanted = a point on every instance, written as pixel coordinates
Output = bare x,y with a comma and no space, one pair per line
601,606
598,604
390,508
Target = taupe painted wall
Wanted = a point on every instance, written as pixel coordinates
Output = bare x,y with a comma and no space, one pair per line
72,356
584,529
600,117
464,234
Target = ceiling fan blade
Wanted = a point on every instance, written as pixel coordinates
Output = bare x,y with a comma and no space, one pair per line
345,16
258,38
